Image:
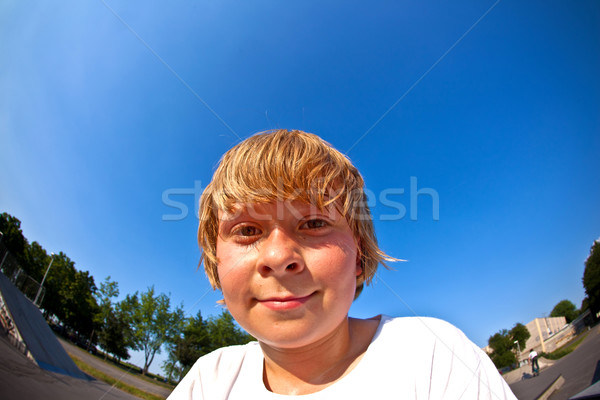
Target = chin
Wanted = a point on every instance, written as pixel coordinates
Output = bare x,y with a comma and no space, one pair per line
295,334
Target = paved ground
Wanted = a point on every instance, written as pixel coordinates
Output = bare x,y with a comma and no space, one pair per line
524,372
21,378
580,369
114,371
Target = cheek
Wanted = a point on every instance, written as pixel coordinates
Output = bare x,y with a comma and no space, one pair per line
229,276
339,261
226,268
234,271
341,279
232,289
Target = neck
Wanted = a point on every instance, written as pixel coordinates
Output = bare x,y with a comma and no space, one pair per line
318,365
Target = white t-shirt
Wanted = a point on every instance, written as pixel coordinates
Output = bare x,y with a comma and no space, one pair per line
532,355
408,358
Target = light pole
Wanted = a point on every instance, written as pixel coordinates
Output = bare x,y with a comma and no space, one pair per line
37,296
518,352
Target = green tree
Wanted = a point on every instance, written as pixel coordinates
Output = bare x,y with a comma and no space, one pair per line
520,333
565,308
114,331
224,332
585,304
37,263
502,345
78,303
172,369
199,337
194,343
13,239
108,290
70,295
152,322
591,278
186,347
116,335
13,249
61,273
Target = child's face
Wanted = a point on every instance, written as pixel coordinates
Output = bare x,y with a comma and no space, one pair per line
287,270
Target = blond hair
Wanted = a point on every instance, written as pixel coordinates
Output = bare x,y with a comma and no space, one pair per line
288,165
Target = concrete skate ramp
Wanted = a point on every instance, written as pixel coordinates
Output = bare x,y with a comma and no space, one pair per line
35,332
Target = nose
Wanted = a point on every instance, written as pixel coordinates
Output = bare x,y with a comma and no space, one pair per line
279,254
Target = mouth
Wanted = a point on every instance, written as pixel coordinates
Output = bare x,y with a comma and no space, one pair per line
285,302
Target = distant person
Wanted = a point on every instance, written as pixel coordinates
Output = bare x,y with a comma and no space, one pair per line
288,238
535,366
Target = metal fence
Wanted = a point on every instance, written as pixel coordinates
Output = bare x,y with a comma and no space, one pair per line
25,283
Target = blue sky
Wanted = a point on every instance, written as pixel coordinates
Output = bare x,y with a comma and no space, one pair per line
109,108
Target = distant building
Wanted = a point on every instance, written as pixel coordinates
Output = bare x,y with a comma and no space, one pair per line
547,334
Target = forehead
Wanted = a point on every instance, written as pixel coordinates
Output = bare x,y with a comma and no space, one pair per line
277,209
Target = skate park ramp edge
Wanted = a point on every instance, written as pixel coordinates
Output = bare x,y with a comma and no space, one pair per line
41,342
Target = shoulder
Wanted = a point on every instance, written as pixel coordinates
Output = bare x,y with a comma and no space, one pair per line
216,371
226,357
439,359
429,335
225,363
421,340
421,327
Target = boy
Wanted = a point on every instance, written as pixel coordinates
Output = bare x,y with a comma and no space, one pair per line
535,366
288,238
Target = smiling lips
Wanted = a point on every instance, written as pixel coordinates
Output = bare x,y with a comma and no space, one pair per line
284,303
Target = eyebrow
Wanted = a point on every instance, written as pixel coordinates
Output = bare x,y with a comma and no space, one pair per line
240,210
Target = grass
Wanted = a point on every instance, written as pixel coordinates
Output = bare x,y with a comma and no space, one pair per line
155,381
135,370
566,349
112,381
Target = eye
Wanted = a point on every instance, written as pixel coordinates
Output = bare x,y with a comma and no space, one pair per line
315,223
247,230
245,234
